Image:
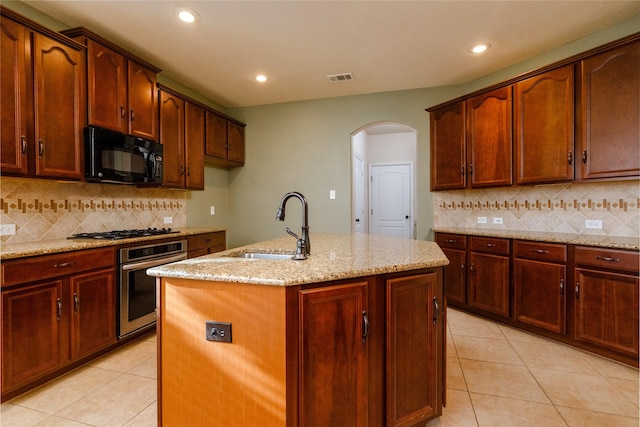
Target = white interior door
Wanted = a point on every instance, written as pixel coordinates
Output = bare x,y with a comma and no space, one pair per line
391,201
359,211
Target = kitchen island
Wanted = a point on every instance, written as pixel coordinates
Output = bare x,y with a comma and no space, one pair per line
353,335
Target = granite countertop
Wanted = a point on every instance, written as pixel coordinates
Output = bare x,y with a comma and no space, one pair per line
46,247
333,257
613,242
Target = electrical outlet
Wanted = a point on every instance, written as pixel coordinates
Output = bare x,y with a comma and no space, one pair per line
332,194
218,331
497,220
7,230
482,220
212,210
168,220
593,223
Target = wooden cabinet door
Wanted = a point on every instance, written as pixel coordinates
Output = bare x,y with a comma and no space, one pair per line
489,283
455,275
539,289
544,128
235,142
606,310
143,109
32,329
14,97
194,146
413,309
59,108
489,137
448,155
107,88
333,362
93,302
216,140
172,139
609,124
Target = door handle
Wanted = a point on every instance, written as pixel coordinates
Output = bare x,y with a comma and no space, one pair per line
365,326
436,310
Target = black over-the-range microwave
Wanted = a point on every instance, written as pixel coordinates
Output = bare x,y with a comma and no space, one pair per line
122,159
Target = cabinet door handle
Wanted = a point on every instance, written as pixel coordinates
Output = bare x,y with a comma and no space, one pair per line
472,268
40,148
59,312
65,264
462,267
181,170
23,142
608,259
584,156
436,310
133,116
188,170
122,111
570,158
540,251
76,302
471,169
562,287
577,291
462,170
365,326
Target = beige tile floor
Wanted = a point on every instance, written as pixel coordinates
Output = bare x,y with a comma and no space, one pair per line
496,376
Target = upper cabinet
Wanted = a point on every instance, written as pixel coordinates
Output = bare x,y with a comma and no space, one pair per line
43,100
608,141
489,138
122,93
544,127
574,120
225,141
448,149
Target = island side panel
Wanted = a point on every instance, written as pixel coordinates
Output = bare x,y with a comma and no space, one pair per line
214,383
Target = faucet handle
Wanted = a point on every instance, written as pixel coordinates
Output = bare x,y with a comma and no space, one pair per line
291,233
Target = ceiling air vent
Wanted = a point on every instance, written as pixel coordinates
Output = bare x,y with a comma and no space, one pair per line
334,78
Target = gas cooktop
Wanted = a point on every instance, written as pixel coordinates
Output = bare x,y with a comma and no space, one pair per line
123,234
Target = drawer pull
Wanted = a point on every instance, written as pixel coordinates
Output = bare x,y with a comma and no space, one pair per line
451,241
608,259
65,264
540,251
489,245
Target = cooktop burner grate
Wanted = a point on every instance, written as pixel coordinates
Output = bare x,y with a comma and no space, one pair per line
123,234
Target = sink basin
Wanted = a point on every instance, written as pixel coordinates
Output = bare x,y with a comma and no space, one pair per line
259,255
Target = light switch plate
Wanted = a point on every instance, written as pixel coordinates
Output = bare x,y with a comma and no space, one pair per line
7,230
332,194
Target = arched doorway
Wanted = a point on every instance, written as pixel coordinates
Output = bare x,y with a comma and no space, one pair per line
383,155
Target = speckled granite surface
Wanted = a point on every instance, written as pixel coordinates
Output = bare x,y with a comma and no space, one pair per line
21,250
333,257
575,239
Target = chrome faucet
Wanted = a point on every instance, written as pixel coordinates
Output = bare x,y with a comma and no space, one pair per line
303,246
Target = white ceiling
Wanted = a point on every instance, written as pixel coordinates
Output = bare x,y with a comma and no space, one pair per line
387,45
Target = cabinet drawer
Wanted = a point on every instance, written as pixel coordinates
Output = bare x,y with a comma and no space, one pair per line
490,245
207,240
543,251
451,241
43,267
609,259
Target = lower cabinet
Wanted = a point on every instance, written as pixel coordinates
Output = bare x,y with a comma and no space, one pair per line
606,299
489,275
539,285
357,352
581,295
333,362
50,322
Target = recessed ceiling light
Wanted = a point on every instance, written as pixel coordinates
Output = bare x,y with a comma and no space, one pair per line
479,48
186,14
261,78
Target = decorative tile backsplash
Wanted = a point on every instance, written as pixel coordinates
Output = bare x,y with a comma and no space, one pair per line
45,210
549,208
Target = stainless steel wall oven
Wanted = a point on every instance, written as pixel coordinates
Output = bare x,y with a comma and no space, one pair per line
137,291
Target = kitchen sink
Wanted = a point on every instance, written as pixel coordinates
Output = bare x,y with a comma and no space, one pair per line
261,255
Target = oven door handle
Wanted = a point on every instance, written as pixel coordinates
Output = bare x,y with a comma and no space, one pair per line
153,262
